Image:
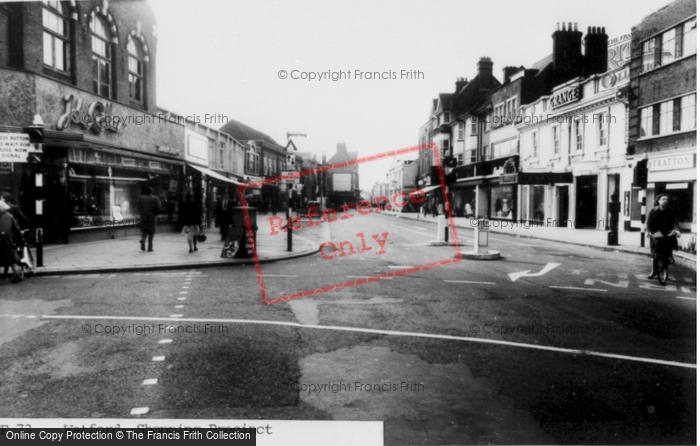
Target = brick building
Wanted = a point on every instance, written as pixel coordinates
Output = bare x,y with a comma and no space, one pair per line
663,114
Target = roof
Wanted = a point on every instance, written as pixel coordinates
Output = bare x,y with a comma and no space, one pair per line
243,132
465,98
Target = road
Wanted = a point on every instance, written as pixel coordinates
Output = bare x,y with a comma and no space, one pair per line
552,344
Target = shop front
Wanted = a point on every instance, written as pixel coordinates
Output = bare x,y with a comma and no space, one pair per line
676,175
544,198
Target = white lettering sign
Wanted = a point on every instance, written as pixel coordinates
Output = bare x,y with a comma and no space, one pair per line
672,163
14,147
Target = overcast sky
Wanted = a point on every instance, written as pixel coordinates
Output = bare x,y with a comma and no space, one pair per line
224,57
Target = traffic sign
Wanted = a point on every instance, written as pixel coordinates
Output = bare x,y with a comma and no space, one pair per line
290,180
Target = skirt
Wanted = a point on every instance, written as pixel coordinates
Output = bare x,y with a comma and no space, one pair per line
190,230
8,255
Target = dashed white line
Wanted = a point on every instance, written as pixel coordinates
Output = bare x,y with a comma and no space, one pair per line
149,382
181,298
400,267
158,358
369,277
165,341
467,281
184,292
139,411
686,298
280,275
179,306
577,288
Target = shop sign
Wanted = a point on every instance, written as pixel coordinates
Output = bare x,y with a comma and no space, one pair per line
565,97
14,147
509,178
94,116
167,150
686,161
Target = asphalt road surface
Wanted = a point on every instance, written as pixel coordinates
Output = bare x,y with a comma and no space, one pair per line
552,344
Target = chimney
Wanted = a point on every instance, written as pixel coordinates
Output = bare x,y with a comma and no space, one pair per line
508,72
341,148
596,47
485,72
568,62
461,83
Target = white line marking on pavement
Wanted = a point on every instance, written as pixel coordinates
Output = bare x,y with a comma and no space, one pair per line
185,287
369,277
184,292
158,358
420,228
149,382
577,288
175,315
139,411
181,298
687,298
179,306
400,267
468,281
685,290
384,332
280,275
165,341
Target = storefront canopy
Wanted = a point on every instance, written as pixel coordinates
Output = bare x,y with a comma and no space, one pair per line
425,190
214,175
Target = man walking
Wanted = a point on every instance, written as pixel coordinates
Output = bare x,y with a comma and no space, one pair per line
224,216
148,207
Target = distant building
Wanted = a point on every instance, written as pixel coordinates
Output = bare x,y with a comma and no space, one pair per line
342,183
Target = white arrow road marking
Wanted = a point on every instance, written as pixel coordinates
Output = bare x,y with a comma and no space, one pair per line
545,270
621,284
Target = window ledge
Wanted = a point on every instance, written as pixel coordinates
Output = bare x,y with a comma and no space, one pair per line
680,132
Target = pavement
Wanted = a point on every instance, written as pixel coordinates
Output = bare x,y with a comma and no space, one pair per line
628,242
170,251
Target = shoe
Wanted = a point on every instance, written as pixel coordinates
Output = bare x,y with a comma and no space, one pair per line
190,250
150,250
652,275
143,245
16,279
196,249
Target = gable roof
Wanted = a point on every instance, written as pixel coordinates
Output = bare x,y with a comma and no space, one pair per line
470,94
243,132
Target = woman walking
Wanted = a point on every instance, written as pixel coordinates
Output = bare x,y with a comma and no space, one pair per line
190,220
8,230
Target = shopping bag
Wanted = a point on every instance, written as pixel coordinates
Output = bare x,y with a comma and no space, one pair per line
26,259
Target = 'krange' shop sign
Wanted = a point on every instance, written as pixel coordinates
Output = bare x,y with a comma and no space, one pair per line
565,97
14,147
95,116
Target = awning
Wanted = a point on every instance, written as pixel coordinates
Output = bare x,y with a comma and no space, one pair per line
425,190
215,175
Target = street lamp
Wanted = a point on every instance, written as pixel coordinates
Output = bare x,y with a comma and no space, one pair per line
291,166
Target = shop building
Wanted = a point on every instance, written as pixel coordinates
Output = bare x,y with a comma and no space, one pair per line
84,72
663,115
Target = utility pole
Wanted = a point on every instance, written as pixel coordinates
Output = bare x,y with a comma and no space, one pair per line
291,166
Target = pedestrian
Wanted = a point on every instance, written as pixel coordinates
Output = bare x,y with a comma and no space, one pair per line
15,211
223,215
661,219
440,208
148,208
468,210
190,219
9,231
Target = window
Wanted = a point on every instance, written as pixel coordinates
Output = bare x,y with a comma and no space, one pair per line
534,144
475,122
669,46
487,123
445,146
102,57
602,130
460,132
555,139
55,35
676,115
578,131
221,158
511,109
473,154
447,118
137,63
460,159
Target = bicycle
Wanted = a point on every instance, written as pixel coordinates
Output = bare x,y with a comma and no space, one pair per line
663,253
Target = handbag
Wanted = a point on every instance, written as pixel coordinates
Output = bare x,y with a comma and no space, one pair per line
201,237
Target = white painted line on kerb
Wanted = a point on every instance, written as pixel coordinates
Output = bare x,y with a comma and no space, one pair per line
686,298
467,281
165,341
149,382
383,332
577,288
158,358
139,411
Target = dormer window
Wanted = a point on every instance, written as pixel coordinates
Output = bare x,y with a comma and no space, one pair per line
447,118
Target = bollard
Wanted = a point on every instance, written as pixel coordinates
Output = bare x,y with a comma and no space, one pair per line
441,228
39,247
481,237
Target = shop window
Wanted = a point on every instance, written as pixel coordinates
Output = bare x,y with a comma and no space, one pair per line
502,202
102,82
55,24
537,203
680,199
137,71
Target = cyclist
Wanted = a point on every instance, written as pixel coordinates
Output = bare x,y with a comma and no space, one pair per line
662,219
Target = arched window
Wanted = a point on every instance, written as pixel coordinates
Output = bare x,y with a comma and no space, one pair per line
137,69
55,34
102,83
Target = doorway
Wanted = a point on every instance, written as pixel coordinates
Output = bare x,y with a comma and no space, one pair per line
586,201
563,206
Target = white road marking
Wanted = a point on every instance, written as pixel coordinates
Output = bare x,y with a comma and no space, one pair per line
386,332
685,290
165,341
181,298
158,358
184,292
175,315
620,284
548,267
185,287
167,274
577,288
412,230
420,228
400,267
369,277
467,281
280,275
149,382
688,279
687,298
139,411
179,306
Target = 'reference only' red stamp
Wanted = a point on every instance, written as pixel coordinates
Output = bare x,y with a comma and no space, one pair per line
328,250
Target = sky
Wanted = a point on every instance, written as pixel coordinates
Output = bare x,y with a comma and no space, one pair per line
224,57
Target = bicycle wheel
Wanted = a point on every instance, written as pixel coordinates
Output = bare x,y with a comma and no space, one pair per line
662,270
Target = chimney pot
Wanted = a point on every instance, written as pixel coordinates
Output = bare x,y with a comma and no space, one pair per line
603,30
576,26
570,26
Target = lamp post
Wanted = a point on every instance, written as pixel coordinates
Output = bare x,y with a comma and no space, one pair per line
291,165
